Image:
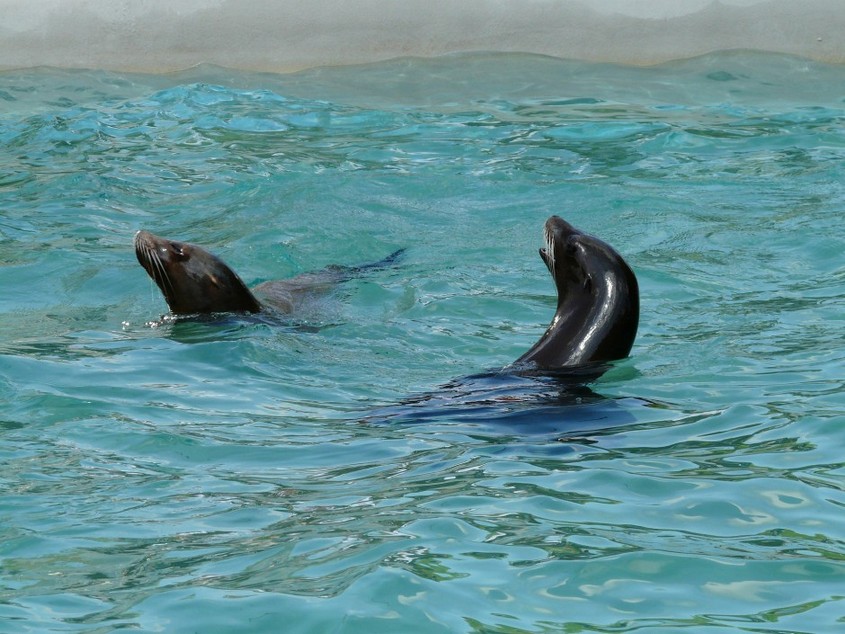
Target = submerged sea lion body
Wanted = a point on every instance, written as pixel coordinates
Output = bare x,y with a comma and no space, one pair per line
196,282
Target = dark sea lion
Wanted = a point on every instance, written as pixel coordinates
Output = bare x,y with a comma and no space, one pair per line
595,324
598,302
196,282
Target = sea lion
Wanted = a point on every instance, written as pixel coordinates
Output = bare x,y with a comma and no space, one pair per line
196,282
598,303
595,323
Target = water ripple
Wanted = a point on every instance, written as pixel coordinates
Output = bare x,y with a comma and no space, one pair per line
171,476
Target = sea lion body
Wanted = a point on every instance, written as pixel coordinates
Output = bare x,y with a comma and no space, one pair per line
595,323
196,282
598,303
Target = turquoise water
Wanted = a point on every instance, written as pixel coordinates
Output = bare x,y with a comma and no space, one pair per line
180,477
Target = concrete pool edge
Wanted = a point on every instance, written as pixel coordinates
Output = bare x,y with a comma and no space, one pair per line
284,36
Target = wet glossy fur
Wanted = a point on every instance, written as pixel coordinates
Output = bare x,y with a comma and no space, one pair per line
598,303
192,280
196,282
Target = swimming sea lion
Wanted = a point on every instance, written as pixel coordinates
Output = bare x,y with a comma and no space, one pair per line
595,323
195,282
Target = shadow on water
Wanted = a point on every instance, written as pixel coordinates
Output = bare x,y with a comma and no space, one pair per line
561,406
231,326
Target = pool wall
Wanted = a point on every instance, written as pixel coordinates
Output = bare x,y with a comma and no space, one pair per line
288,35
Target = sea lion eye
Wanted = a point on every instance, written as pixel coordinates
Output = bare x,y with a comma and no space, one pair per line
178,250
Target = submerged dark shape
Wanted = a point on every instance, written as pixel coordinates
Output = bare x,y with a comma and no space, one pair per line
196,282
563,407
595,324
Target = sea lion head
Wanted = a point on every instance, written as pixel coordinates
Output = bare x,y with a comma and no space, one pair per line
192,280
598,301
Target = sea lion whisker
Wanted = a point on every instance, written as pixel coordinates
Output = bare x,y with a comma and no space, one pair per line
550,252
159,270
165,275
150,264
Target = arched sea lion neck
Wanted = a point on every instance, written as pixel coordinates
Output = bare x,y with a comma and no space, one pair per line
598,302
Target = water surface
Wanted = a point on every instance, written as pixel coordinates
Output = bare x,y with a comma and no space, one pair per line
174,477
